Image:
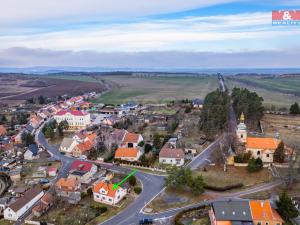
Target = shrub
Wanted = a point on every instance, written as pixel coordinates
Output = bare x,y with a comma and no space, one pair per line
83,194
137,190
225,188
132,180
254,165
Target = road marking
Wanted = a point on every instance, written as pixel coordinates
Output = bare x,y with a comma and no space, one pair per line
141,211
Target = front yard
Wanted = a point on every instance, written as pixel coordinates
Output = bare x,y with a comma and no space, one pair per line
31,168
86,212
216,177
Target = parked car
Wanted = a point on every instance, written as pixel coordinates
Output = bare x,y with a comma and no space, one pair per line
146,221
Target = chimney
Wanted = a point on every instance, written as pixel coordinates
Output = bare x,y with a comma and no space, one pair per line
262,204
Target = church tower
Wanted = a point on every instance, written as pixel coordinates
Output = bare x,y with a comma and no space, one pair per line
241,131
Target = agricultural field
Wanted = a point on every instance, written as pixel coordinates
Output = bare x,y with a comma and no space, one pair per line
287,126
279,91
158,89
14,89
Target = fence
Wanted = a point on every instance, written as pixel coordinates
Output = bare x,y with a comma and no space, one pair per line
144,167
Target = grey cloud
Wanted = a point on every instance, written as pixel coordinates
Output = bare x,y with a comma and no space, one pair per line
25,57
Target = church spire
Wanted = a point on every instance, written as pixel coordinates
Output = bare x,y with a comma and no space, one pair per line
242,118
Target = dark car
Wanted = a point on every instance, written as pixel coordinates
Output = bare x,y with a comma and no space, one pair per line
146,221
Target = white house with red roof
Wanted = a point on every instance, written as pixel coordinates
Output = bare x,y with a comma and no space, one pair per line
171,156
128,154
82,171
75,118
131,140
104,192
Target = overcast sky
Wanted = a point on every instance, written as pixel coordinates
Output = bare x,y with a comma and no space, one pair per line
147,33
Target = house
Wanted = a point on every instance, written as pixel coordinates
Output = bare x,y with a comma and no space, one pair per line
67,145
230,212
128,154
32,152
75,118
243,212
104,192
46,202
82,148
3,130
52,171
69,188
262,147
111,120
82,171
131,140
263,213
15,210
171,156
198,103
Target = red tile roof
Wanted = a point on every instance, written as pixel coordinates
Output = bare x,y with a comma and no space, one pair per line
81,165
171,153
2,130
73,112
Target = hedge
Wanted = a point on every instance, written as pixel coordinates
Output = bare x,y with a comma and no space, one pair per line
225,188
180,214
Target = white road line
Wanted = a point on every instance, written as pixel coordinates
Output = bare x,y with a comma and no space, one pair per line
141,211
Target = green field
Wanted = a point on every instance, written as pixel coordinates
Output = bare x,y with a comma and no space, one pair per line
277,91
157,89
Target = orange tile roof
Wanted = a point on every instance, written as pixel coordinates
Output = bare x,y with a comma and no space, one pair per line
262,143
223,222
131,138
107,186
262,210
84,146
91,137
126,152
2,130
67,183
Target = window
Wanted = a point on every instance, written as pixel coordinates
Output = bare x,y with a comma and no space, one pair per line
267,223
259,223
242,135
258,152
268,155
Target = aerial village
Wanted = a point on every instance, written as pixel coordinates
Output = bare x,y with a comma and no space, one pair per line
63,160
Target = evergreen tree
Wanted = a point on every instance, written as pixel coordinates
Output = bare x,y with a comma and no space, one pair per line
279,154
286,208
49,133
294,109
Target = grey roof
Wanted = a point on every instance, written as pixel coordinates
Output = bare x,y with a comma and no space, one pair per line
232,210
66,142
198,101
33,148
29,128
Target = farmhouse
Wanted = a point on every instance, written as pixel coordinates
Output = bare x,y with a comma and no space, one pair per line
131,140
171,156
15,210
263,148
75,118
128,154
103,192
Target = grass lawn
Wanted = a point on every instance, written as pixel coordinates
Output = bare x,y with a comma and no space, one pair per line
215,176
171,198
279,92
157,89
287,126
202,221
6,222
